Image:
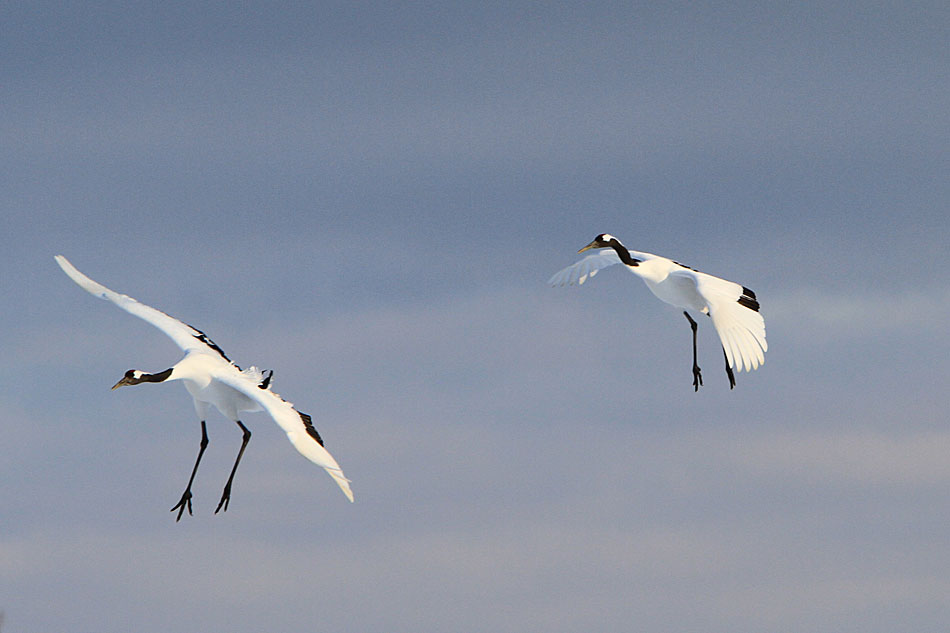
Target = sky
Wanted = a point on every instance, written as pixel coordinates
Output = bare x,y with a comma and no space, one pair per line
369,198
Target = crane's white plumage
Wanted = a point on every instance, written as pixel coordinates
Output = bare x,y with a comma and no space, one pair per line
212,379
584,269
732,307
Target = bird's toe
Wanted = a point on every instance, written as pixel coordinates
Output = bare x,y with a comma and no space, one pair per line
183,503
225,500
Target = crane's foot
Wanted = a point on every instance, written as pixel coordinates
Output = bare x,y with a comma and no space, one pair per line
697,378
185,502
732,377
225,499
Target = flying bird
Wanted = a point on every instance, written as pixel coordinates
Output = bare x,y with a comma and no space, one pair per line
212,379
733,308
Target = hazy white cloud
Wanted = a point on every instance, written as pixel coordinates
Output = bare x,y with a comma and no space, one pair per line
597,554
822,313
839,457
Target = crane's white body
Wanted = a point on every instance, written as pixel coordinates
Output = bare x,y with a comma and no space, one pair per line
741,329
212,379
195,370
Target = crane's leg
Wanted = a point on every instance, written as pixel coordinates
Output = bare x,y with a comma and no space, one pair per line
186,496
732,377
226,495
697,374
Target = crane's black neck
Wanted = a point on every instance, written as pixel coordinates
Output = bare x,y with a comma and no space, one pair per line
624,254
159,377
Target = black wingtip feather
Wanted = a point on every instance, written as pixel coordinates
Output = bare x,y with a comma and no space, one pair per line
201,336
266,382
308,424
748,299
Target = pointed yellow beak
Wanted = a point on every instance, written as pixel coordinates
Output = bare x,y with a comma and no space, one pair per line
122,383
589,246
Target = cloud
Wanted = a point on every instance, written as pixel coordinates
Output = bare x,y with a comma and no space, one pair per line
837,457
873,312
678,526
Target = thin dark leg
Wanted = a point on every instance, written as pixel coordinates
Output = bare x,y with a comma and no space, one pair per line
226,495
732,378
697,374
186,496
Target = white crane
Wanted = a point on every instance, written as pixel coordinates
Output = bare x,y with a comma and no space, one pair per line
212,379
733,308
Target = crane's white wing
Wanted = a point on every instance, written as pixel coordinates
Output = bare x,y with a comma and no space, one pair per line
185,336
585,268
740,326
298,426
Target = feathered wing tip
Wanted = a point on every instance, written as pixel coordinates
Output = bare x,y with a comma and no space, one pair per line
735,315
341,481
75,275
742,334
573,275
309,447
584,268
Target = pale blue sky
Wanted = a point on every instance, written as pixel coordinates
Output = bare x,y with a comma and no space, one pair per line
369,199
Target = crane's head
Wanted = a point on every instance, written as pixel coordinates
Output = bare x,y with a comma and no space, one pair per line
131,377
136,376
601,241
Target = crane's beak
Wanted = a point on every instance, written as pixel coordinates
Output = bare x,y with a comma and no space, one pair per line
589,246
122,383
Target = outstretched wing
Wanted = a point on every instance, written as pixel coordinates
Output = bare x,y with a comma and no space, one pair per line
585,268
735,315
185,336
298,426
